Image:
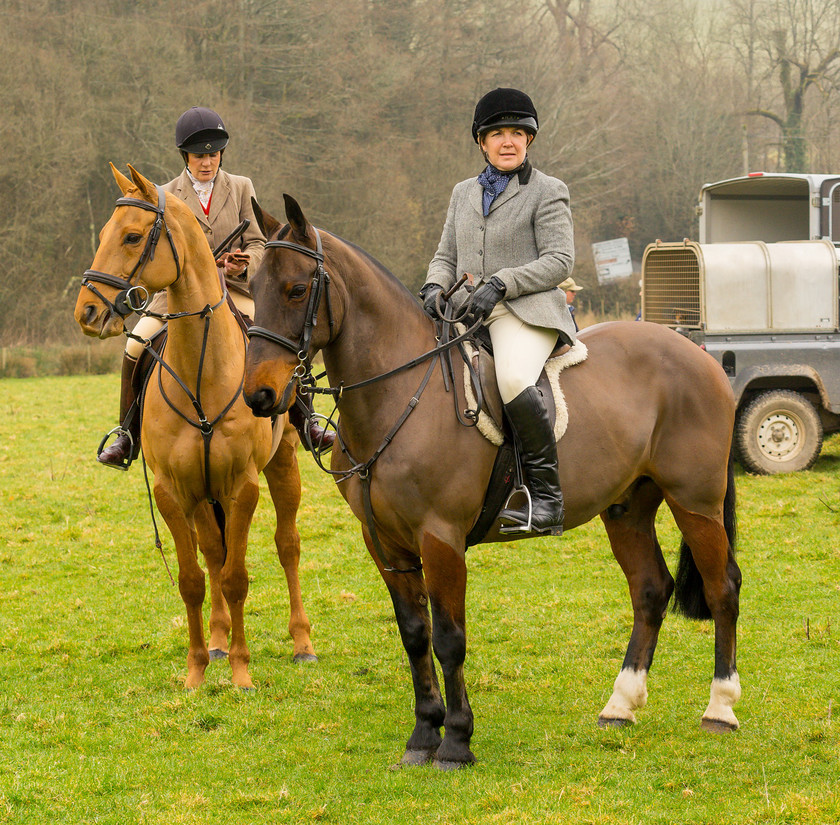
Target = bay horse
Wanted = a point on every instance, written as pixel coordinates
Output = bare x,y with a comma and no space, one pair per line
650,419
202,443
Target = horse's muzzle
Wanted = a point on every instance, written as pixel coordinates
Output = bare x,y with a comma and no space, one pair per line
96,321
263,402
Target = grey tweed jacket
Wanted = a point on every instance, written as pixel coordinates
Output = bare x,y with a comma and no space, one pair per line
526,240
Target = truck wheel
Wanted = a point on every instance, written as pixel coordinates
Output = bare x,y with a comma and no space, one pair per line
778,432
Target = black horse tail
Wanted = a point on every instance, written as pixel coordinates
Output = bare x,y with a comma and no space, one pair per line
688,588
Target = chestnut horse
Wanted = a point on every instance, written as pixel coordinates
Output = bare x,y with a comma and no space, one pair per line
650,419
200,440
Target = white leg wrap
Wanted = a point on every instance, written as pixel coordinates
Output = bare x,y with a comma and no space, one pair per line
723,695
629,693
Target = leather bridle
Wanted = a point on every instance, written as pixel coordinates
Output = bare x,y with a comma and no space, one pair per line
320,288
134,297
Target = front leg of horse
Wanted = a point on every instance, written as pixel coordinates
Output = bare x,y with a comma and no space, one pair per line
446,579
411,609
283,479
191,583
239,512
212,547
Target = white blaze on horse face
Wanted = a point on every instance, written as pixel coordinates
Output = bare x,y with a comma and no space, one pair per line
629,693
724,694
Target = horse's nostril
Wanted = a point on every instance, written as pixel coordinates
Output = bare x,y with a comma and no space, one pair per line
263,401
90,314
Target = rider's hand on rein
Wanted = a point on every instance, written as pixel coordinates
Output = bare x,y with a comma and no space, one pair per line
429,293
483,300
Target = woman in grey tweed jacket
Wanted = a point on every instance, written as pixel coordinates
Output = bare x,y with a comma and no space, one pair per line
511,230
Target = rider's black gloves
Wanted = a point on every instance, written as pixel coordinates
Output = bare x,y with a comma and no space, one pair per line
484,299
429,293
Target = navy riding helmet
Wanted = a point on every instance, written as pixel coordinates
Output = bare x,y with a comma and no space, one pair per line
200,131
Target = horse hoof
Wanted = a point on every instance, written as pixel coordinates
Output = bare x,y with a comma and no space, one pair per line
217,653
717,726
444,765
414,758
302,658
613,722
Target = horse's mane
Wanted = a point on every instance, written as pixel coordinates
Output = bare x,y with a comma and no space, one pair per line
380,268
373,262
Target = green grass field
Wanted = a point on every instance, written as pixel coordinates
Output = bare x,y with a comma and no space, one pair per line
95,726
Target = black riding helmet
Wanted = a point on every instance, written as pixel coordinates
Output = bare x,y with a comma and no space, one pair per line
504,107
200,131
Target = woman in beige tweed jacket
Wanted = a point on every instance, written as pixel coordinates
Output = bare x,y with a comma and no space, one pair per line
220,202
510,229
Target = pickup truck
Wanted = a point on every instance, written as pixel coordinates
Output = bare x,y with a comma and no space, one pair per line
759,292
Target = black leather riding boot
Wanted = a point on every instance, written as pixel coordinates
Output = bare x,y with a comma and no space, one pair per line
301,416
534,434
120,453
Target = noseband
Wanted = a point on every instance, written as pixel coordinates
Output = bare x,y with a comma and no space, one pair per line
133,298
320,288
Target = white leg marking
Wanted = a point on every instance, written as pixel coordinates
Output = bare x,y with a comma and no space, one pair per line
723,695
629,693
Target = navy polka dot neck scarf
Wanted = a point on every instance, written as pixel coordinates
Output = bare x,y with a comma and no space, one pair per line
494,183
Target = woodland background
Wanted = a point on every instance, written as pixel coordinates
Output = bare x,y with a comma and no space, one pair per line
362,108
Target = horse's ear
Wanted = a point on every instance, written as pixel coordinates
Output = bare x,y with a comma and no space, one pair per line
268,225
122,181
146,187
297,220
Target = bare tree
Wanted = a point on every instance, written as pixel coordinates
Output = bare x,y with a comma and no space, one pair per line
790,57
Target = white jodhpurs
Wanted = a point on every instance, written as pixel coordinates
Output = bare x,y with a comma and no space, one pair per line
519,351
147,326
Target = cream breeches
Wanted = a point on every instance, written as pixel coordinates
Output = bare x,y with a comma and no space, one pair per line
519,351
147,326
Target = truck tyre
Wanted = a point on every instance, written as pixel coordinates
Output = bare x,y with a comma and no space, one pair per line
778,432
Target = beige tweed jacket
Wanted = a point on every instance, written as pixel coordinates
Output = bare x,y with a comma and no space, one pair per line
230,204
526,240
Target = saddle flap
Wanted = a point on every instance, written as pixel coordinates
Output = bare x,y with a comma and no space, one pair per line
493,408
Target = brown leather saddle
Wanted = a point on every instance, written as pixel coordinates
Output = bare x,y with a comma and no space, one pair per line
484,368
506,475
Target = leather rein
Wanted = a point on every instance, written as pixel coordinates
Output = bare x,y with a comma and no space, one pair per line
308,383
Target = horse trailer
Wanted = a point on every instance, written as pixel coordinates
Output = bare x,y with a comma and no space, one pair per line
759,292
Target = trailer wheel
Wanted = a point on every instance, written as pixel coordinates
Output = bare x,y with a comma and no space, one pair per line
778,432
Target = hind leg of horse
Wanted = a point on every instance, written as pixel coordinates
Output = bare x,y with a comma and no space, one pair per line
721,576
283,479
210,543
410,599
239,511
632,536
191,583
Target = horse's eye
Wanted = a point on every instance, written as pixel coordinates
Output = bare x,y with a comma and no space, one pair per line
133,238
297,291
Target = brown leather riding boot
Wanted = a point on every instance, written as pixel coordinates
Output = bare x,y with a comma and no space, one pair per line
312,434
126,448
